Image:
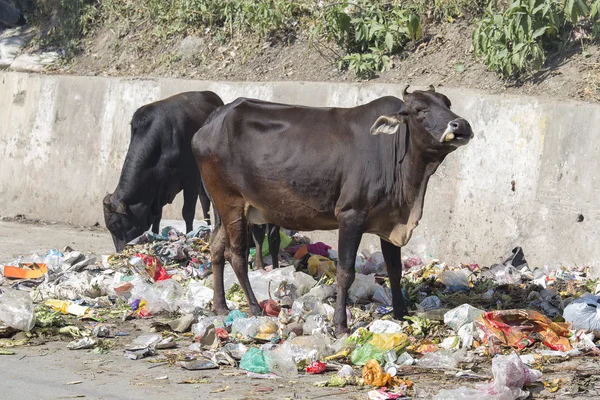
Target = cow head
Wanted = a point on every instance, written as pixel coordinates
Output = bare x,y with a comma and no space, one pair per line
429,120
121,226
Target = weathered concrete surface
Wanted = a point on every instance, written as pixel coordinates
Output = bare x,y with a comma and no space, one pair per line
63,140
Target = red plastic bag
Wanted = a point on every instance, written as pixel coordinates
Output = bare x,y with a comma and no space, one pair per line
154,268
270,307
317,367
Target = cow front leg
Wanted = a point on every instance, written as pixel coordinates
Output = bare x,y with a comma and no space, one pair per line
217,253
351,229
237,233
156,222
204,202
190,196
274,243
393,262
258,236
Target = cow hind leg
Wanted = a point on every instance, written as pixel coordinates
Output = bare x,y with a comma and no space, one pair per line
258,235
218,243
350,234
274,243
237,232
189,208
393,262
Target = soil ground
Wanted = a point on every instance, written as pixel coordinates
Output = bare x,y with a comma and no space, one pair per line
46,369
443,57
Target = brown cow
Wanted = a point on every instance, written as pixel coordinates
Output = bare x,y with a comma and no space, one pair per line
360,170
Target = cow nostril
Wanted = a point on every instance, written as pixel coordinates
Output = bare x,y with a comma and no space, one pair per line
454,124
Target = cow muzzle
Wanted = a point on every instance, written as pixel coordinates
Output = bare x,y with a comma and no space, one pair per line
457,131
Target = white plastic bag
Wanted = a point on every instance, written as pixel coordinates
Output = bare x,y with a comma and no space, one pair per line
363,287
461,315
510,375
584,313
16,310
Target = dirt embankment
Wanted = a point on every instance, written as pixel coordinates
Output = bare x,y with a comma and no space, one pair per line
443,56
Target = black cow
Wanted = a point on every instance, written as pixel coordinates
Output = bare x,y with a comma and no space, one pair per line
159,164
360,170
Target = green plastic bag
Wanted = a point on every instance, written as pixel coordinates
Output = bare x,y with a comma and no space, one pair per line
285,242
254,361
377,346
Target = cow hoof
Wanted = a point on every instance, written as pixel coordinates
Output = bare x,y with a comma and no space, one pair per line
400,315
222,310
341,331
256,310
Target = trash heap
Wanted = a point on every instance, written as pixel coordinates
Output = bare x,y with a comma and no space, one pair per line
460,316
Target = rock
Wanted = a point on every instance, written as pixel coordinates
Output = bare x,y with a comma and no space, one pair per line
34,62
191,46
12,42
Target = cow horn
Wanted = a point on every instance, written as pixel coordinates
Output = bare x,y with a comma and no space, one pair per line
107,201
431,88
405,91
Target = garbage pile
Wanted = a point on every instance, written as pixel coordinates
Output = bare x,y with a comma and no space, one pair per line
460,316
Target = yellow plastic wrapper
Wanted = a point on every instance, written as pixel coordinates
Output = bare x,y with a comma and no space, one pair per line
269,327
319,266
388,341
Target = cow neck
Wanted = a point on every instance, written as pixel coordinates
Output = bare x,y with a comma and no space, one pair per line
415,162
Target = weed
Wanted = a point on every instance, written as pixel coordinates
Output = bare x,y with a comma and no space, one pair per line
367,32
515,41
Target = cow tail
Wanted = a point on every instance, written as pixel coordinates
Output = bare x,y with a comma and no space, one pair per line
217,217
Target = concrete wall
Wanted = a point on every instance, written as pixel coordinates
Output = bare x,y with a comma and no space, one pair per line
63,140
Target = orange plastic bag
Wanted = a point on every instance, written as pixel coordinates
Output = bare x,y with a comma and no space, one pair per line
373,375
522,328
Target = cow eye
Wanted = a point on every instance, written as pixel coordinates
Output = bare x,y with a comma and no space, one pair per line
420,111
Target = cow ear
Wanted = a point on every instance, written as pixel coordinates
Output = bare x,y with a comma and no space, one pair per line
387,124
112,205
107,202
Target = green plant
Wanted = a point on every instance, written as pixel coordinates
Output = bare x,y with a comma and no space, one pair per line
515,41
367,32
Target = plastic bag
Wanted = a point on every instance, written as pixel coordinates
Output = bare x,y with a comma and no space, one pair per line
280,363
385,326
510,375
254,326
308,348
199,328
383,295
308,305
167,296
516,327
441,359
316,324
234,315
16,310
198,296
374,375
584,313
430,303
254,361
363,287
405,359
377,346
456,280
461,315
319,266
373,264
